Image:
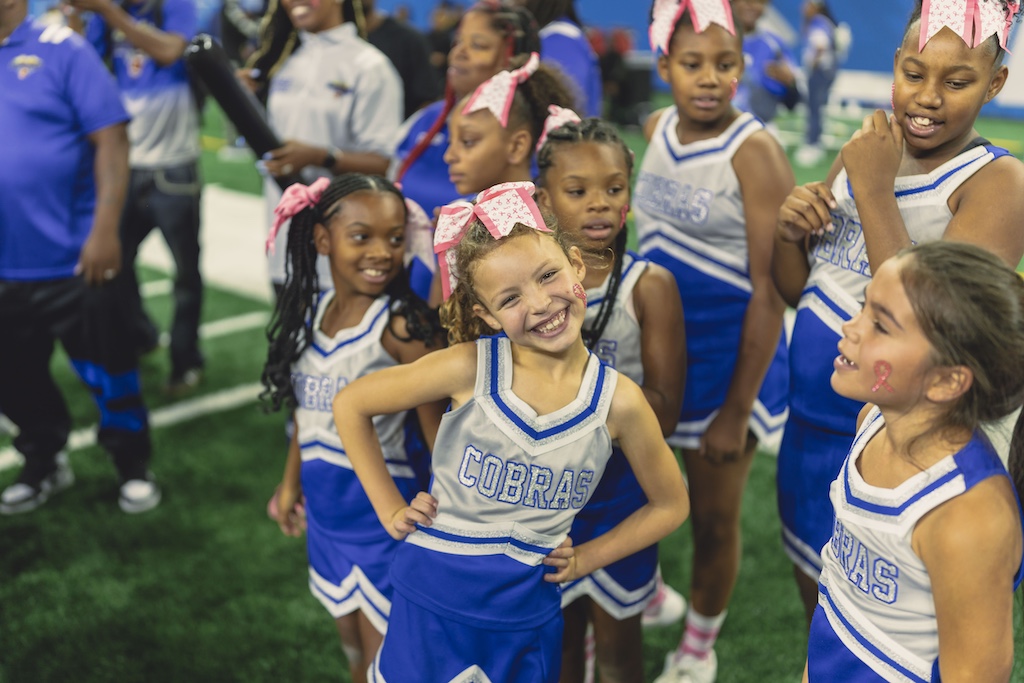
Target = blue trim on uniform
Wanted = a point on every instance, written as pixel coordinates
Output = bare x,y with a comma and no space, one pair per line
996,152
597,300
867,644
657,233
483,540
668,143
584,414
369,329
896,511
836,308
341,451
644,598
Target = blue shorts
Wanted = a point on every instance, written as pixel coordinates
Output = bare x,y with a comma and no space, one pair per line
809,461
623,588
421,647
713,312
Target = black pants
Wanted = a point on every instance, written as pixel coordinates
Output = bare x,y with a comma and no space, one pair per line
168,199
90,324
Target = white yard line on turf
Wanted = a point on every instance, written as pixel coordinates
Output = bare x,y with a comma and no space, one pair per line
183,411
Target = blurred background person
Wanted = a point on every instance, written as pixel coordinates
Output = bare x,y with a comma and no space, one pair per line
443,21
144,43
820,62
770,76
563,44
408,51
334,99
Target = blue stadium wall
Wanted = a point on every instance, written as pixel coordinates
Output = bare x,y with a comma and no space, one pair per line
877,27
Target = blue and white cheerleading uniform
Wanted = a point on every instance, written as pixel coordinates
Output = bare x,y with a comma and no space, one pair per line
875,618
822,423
470,602
350,553
623,588
689,217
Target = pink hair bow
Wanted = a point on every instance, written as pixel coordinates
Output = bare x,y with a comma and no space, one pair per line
496,92
419,235
973,20
557,117
499,208
666,15
295,198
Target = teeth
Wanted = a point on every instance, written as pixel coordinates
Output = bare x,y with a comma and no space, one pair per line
921,121
373,272
553,323
845,361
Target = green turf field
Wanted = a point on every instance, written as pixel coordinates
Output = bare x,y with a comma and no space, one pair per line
205,588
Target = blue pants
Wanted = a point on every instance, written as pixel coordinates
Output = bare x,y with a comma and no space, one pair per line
819,85
88,321
168,199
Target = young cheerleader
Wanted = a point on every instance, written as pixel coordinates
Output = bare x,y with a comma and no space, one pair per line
709,189
926,548
319,343
922,174
495,129
533,415
634,323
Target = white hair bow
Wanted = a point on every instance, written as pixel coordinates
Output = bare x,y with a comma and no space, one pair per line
703,13
557,117
497,92
973,20
499,208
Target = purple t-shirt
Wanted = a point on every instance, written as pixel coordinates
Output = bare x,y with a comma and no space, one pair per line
56,92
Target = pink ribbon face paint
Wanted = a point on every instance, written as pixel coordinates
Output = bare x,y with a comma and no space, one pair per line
622,215
882,371
579,292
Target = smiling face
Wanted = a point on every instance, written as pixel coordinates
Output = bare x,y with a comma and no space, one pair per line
477,53
363,235
940,90
587,188
313,16
480,151
525,287
884,331
701,69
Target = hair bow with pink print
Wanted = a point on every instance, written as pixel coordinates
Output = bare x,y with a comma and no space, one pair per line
497,92
295,199
499,208
557,117
975,21
703,13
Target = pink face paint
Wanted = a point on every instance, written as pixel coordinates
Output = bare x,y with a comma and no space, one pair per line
622,216
579,292
882,371
732,88
892,98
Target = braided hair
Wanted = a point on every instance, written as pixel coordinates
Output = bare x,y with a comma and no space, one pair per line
599,131
279,38
289,332
518,27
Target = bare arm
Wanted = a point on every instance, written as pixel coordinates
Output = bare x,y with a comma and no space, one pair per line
765,178
295,156
446,373
164,47
662,344
971,547
102,249
632,421
406,350
289,493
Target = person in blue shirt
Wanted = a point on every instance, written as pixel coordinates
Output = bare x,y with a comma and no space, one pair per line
144,41
769,78
564,45
62,188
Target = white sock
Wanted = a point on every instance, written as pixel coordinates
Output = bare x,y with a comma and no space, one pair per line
700,635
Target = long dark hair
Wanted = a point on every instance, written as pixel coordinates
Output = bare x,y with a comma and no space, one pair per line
289,332
970,307
591,130
518,27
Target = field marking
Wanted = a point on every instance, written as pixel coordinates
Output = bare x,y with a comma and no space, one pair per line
156,288
183,411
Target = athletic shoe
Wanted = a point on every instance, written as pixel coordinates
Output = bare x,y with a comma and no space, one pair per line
809,155
26,495
185,383
139,495
689,669
667,607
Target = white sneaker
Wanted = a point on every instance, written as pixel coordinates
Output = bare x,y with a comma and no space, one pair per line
139,495
25,496
809,155
689,669
667,607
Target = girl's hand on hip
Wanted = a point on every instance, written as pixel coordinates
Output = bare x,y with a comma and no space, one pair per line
421,510
564,559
